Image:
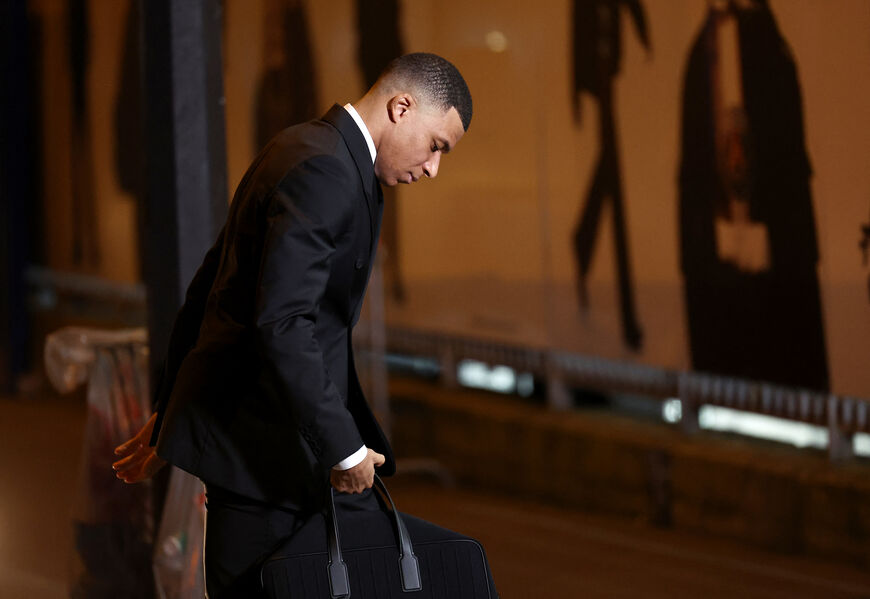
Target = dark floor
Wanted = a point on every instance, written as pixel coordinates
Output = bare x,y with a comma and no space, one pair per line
535,551
40,444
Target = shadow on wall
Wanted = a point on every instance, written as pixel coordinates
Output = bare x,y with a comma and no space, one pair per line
748,233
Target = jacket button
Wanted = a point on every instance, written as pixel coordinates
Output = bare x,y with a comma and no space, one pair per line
359,263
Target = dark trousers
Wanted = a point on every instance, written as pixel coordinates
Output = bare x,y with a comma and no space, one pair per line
241,533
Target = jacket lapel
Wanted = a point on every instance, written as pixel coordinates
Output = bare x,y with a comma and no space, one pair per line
339,118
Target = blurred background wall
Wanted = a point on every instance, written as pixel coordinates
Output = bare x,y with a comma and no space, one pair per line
489,251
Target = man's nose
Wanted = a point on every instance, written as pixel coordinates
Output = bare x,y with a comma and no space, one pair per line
430,167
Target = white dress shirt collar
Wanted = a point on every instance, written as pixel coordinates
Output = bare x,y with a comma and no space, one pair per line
362,127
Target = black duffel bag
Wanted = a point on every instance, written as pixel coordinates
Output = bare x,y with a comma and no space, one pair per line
376,554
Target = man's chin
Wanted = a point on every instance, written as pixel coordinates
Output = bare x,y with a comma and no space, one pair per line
394,180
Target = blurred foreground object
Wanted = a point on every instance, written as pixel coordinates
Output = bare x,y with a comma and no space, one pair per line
178,570
114,523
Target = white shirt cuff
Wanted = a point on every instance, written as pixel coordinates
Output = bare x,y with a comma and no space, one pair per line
353,459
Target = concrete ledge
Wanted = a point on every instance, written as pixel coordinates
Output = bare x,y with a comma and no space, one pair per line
785,499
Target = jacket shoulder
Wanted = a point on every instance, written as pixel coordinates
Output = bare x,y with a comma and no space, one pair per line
307,149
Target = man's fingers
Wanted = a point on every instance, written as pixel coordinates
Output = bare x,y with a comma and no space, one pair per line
138,461
137,470
355,480
140,453
378,458
350,486
139,439
144,459
338,481
131,477
127,472
345,488
120,468
128,446
126,463
128,469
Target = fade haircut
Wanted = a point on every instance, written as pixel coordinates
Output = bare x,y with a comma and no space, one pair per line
434,78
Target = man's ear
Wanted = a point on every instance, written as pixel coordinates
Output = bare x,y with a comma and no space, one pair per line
399,106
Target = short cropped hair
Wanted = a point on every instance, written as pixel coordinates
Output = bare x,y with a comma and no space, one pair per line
433,77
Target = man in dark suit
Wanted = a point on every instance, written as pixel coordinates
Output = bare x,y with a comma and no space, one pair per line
259,397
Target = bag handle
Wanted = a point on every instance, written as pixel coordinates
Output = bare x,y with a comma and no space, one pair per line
339,584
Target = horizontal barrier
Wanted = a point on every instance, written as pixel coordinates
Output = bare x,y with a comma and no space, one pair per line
842,415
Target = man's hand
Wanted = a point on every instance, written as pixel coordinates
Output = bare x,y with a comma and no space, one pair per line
360,477
138,461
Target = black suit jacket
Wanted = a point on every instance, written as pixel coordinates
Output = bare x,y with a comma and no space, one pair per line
259,393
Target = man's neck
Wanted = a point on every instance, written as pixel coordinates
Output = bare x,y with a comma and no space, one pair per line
370,143
372,112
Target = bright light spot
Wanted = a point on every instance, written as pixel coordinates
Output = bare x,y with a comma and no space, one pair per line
861,444
501,379
672,410
762,426
471,373
496,41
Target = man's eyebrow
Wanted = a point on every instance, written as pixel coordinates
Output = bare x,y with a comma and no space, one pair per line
445,146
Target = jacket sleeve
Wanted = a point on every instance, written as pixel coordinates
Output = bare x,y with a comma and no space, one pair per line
185,329
311,208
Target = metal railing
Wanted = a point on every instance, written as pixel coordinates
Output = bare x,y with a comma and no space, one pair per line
842,415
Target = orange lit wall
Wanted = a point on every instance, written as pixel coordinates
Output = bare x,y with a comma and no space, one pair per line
486,248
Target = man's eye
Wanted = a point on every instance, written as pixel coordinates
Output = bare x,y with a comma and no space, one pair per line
434,147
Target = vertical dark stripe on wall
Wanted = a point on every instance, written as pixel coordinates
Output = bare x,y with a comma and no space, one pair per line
185,164
597,61
16,195
129,116
85,245
287,91
379,37
128,110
